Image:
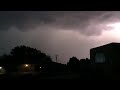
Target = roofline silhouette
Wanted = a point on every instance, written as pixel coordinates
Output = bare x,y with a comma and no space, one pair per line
109,44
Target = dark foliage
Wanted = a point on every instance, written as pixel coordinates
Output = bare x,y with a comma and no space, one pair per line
22,55
73,64
25,54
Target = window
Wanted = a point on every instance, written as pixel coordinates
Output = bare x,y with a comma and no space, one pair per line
99,58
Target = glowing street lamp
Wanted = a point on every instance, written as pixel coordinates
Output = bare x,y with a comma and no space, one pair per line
40,67
26,65
0,67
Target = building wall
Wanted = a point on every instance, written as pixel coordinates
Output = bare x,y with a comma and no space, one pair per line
111,67
111,51
106,51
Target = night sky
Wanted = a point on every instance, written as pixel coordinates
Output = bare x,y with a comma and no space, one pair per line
65,33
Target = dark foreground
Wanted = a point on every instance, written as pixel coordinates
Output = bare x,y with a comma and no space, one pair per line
39,76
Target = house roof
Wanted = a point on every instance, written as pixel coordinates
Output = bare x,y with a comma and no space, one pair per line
113,44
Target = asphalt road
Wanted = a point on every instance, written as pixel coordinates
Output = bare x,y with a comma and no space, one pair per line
38,76
58,75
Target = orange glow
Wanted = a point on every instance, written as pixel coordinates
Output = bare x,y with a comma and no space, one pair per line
26,65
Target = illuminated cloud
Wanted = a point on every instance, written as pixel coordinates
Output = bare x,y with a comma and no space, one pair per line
66,33
86,22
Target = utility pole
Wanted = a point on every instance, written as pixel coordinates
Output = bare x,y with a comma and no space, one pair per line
56,58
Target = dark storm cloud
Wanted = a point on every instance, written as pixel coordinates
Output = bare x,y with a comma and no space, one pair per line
22,20
86,22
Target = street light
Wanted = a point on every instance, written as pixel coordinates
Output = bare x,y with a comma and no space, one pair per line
26,65
0,67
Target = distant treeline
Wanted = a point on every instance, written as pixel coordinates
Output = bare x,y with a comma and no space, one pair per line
25,54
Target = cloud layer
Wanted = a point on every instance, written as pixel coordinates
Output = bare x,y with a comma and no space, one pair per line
58,32
86,22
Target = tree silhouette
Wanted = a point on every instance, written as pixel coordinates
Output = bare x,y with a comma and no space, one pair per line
6,59
85,61
73,64
85,65
30,55
23,54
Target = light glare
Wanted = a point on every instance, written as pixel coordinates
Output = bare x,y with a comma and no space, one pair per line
26,65
0,67
115,26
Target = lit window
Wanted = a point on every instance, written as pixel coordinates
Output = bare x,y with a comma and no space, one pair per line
99,58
